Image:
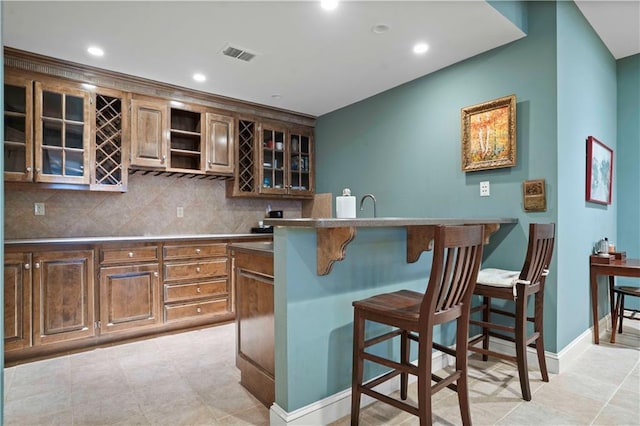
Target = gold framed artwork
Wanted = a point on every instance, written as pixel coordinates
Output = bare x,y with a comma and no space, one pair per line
534,195
489,135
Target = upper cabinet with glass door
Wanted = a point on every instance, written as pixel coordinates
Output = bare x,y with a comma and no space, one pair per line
18,119
301,162
62,129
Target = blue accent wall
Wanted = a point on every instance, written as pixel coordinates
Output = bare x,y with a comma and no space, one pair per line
586,107
628,183
403,145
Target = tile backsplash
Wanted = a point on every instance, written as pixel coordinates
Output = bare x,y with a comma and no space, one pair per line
148,208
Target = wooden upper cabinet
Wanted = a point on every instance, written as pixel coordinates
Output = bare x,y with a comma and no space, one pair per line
110,140
62,133
219,145
149,124
17,301
18,128
63,296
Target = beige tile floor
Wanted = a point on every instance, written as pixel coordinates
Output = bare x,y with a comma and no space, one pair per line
191,379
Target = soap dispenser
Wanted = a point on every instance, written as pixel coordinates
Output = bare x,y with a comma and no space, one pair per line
346,205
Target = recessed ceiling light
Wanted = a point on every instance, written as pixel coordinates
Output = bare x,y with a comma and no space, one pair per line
420,48
329,4
380,28
199,77
276,96
95,51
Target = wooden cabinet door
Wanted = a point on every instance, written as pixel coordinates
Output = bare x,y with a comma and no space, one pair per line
129,297
18,129
63,133
300,162
17,301
273,161
149,127
220,144
63,296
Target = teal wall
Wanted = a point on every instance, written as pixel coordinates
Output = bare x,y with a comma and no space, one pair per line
314,314
628,160
586,107
403,145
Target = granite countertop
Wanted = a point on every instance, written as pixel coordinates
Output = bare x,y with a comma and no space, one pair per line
133,238
384,222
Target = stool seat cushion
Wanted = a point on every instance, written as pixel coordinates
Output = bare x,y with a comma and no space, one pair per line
498,277
631,291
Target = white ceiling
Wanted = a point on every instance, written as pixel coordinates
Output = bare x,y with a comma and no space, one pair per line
313,60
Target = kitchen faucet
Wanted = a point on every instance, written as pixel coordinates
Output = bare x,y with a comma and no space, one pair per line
374,203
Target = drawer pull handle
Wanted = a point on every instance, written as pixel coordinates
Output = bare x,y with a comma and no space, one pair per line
198,310
198,290
197,251
197,269
130,254
37,265
27,266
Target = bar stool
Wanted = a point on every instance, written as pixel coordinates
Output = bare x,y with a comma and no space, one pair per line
517,286
457,255
618,311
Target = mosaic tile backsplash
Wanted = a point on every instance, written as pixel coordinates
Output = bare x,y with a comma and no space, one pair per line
148,208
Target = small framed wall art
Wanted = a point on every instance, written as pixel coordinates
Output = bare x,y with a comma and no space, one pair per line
599,171
534,195
489,135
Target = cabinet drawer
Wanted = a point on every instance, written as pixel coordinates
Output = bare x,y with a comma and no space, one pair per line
130,254
195,270
191,310
194,250
181,292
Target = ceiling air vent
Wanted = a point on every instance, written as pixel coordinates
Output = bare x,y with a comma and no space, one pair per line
238,53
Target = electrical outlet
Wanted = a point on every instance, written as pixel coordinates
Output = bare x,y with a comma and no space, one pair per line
180,212
485,189
38,209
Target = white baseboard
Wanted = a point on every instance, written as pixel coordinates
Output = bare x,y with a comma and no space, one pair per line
338,405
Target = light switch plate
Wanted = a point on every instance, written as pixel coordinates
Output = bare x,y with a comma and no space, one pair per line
38,209
485,189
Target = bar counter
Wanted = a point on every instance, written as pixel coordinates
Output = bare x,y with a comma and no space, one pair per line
313,296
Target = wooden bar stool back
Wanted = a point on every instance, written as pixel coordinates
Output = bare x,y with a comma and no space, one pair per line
517,286
457,255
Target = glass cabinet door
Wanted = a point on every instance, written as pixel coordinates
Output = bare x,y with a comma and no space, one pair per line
18,119
300,163
273,160
62,134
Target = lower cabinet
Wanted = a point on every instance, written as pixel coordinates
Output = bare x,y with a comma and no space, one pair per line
63,296
129,287
17,301
252,279
195,282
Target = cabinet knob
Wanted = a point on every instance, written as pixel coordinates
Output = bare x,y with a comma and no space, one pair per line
27,266
130,254
36,265
155,274
197,269
197,289
37,169
197,251
164,158
29,169
198,310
